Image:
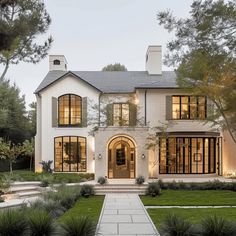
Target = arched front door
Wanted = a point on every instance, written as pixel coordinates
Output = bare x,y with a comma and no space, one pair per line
121,158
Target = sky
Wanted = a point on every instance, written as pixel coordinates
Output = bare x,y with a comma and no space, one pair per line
94,33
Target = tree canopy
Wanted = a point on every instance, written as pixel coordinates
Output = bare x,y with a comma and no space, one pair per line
204,51
21,22
14,121
114,67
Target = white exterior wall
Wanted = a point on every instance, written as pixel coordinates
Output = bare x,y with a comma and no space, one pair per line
102,140
229,155
48,133
155,116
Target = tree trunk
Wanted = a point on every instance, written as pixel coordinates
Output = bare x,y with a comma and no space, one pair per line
5,70
31,157
10,167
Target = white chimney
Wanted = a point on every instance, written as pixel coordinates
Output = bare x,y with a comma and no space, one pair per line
154,60
57,62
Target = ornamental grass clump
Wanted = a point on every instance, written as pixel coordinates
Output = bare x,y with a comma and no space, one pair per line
66,196
12,223
79,225
87,190
40,223
177,226
217,226
154,189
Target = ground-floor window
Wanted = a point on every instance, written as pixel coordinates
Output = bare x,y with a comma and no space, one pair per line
187,155
70,153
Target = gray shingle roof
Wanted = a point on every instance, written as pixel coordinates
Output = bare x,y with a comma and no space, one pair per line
115,81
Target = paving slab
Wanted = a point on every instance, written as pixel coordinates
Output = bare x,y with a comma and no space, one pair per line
124,214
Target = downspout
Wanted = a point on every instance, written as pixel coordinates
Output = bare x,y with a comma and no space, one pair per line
145,107
99,110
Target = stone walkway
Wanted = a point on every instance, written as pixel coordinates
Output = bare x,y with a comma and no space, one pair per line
124,214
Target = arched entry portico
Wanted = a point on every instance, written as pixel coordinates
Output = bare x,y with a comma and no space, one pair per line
121,158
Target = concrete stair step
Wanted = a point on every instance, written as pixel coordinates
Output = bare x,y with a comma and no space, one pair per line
118,192
29,194
28,183
16,189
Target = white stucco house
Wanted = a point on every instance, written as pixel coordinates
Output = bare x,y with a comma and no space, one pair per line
105,123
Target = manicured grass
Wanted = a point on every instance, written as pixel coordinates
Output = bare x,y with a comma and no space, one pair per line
192,198
26,175
86,207
193,215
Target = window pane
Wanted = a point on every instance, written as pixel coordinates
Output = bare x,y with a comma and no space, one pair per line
70,153
116,114
125,114
176,99
184,111
75,110
58,154
201,112
64,110
201,100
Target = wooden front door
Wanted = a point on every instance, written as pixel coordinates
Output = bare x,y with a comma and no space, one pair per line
121,158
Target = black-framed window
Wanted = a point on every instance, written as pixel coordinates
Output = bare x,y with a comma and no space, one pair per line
189,107
70,154
187,155
69,110
121,114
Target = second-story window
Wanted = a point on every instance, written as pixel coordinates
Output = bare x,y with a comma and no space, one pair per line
188,107
120,114
69,110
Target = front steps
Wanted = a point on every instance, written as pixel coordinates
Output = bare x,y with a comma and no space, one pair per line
22,190
120,188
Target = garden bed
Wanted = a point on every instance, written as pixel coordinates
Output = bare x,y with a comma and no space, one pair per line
26,175
195,216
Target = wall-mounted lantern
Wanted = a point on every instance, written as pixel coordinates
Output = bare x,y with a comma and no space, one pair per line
99,156
143,156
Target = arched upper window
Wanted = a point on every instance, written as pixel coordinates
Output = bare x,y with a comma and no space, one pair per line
56,62
69,110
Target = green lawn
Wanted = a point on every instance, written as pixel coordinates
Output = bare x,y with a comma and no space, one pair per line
194,215
86,206
26,175
192,198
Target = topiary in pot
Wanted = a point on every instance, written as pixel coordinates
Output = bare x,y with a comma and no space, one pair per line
154,189
87,190
102,180
140,180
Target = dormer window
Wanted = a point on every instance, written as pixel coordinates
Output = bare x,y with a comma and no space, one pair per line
56,62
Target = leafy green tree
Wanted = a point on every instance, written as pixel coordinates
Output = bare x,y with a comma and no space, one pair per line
204,51
21,22
32,117
9,151
28,150
114,67
14,124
